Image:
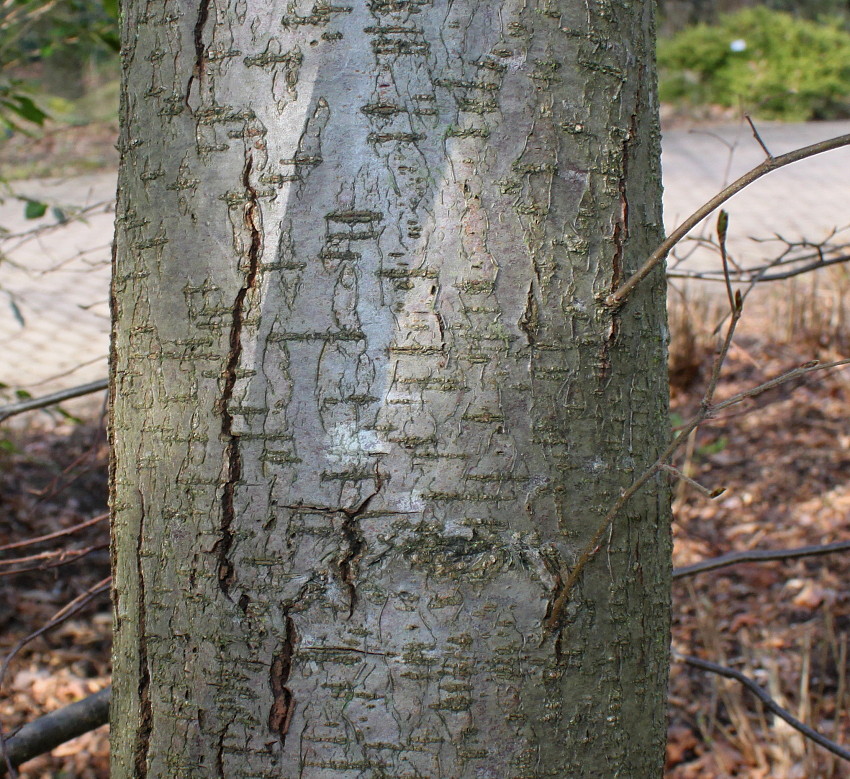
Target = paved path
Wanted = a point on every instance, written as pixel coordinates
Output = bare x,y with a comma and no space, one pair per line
61,287
806,199
58,282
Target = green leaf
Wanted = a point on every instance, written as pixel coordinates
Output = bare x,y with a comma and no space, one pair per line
715,447
34,209
28,110
22,394
68,416
59,215
7,446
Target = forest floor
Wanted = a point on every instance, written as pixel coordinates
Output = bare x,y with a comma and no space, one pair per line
784,461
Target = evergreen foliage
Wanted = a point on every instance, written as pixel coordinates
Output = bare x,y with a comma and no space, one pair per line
769,63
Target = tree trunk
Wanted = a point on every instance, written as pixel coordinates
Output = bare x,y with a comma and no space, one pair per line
368,406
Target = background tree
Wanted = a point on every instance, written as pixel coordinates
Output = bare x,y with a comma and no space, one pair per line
369,404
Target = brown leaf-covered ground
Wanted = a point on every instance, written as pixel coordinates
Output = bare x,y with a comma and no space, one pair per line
53,479
783,458
784,461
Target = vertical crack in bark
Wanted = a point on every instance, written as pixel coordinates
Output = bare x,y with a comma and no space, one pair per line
200,48
232,453
619,238
283,702
145,712
355,543
529,321
621,229
219,755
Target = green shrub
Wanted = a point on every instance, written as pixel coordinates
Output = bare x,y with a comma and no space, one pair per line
771,64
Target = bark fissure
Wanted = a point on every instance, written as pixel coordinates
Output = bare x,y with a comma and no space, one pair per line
283,701
619,240
219,755
621,229
232,453
355,544
529,321
145,709
200,47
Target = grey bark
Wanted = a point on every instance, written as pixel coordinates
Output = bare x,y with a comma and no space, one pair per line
368,405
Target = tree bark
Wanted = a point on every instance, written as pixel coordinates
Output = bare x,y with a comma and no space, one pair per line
368,405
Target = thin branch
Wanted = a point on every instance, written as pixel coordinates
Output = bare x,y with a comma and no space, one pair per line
52,399
552,622
48,732
794,373
58,534
769,703
707,410
65,556
758,137
67,611
818,248
62,375
41,556
25,236
684,478
759,556
756,274
618,297
793,257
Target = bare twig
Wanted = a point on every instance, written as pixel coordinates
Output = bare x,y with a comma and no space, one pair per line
62,375
552,623
58,534
759,556
758,137
797,257
49,559
80,215
758,274
767,701
52,399
48,732
67,611
722,227
794,373
704,491
618,297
